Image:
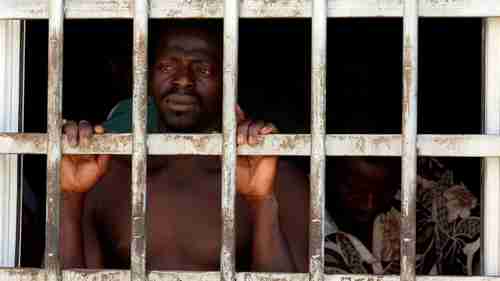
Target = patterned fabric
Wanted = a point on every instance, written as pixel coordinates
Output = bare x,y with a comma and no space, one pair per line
448,231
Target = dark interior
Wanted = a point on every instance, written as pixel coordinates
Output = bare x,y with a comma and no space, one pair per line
364,81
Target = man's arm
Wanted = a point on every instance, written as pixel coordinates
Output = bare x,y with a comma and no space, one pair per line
270,250
79,173
71,241
292,189
79,242
281,224
257,181
93,256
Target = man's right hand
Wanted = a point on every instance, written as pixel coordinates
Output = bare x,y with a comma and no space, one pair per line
79,173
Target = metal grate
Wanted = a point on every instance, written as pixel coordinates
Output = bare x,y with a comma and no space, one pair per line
317,145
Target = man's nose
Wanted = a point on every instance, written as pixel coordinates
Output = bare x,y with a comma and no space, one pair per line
184,81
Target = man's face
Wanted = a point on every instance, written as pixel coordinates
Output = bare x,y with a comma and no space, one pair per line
364,189
186,81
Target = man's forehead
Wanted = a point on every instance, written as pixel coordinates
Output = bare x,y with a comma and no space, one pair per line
197,42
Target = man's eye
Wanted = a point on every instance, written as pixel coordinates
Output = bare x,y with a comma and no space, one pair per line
166,68
203,69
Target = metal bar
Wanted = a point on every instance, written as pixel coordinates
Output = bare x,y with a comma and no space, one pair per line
409,141
290,145
491,176
54,134
139,141
84,9
35,274
230,94
318,140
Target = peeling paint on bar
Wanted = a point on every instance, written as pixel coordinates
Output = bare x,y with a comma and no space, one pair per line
169,144
409,141
103,144
32,274
13,143
22,274
96,275
54,135
35,9
184,276
228,181
139,141
318,140
363,145
290,145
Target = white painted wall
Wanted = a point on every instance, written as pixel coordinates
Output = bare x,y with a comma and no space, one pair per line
10,62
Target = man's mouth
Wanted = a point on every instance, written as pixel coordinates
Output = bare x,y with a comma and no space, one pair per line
181,103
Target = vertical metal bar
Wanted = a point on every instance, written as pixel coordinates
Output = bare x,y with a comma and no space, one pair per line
139,134
318,138
491,176
54,152
409,139
230,88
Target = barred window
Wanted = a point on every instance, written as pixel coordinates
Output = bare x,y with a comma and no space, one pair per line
414,129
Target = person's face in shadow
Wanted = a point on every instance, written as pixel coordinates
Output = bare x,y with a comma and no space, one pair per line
364,187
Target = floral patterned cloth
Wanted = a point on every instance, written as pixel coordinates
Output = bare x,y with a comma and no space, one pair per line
448,231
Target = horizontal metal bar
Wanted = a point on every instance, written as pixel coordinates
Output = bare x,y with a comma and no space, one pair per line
299,145
32,274
37,9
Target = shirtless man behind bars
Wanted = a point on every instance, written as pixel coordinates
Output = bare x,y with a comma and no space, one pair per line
184,192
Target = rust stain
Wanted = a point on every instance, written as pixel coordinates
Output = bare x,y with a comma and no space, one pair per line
200,143
38,141
450,143
407,75
382,140
350,278
288,143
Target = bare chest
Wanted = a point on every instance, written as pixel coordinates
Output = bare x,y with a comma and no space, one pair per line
183,222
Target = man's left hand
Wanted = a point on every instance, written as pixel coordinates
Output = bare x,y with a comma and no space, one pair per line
255,175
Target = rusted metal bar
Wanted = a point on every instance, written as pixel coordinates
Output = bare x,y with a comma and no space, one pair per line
230,94
23,274
32,274
85,9
14,143
318,140
490,247
409,141
54,134
298,145
139,141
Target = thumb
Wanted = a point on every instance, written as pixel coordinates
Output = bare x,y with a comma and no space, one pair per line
99,129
